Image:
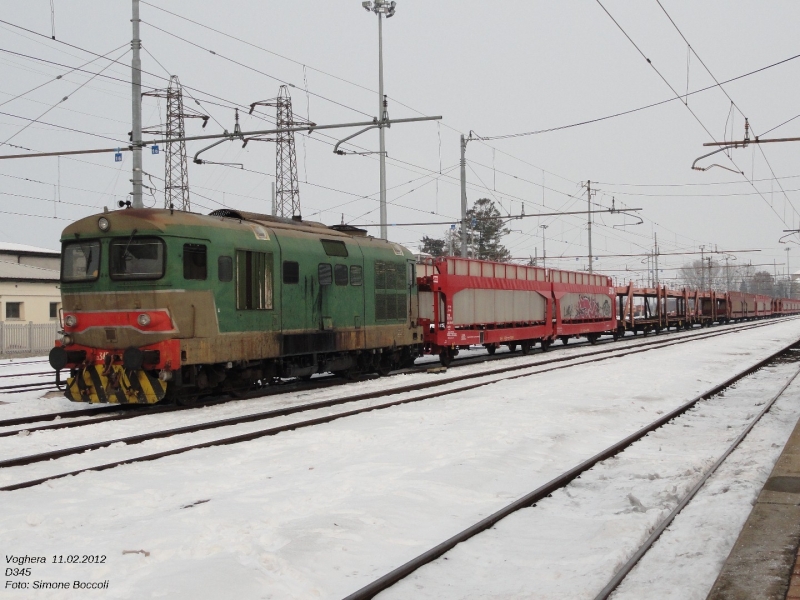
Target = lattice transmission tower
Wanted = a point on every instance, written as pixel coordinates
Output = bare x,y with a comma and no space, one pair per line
176,173
287,190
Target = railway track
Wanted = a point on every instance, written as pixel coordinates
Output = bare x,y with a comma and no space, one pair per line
122,412
432,388
563,480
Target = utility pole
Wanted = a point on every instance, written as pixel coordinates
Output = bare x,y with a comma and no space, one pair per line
789,272
727,274
702,268
380,8
655,237
136,120
464,195
589,215
710,279
274,207
544,246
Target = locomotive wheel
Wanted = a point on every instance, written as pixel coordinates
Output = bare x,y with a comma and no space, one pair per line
491,349
445,357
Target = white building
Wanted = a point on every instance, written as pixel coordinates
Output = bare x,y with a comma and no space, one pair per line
29,284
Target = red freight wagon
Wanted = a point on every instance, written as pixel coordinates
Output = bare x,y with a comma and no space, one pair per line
464,302
585,305
763,305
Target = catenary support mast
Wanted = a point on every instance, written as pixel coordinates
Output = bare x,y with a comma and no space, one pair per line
136,99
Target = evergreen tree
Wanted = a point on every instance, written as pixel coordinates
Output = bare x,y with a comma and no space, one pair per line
433,246
485,230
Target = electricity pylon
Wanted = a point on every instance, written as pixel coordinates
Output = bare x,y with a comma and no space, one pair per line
176,173
287,192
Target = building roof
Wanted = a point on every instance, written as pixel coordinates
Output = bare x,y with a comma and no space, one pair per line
12,248
17,272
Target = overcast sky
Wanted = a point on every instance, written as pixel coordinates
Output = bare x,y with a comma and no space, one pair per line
493,68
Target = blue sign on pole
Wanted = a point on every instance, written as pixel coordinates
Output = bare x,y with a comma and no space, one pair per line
118,156
154,149
452,226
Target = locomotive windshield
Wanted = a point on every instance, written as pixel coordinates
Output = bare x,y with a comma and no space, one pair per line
136,258
81,261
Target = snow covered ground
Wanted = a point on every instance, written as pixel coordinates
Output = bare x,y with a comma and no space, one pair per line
320,512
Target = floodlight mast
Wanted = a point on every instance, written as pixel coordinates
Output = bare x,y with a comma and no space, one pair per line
380,8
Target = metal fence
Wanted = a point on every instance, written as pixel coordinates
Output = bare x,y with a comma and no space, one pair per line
27,338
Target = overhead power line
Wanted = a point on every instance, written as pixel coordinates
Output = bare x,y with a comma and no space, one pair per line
700,122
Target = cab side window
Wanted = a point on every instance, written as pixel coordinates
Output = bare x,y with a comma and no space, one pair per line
225,268
194,261
291,271
340,274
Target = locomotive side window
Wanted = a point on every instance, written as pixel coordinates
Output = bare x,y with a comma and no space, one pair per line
194,261
80,261
136,258
225,268
334,248
390,278
291,271
356,275
340,274
253,280
325,273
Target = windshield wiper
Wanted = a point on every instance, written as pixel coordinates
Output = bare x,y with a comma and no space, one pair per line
130,239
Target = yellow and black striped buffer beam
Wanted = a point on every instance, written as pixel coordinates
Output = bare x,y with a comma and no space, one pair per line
99,385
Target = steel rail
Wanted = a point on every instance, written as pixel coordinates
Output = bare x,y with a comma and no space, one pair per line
620,575
282,412
133,411
21,461
141,410
403,571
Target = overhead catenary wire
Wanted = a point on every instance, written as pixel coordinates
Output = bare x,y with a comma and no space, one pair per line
677,95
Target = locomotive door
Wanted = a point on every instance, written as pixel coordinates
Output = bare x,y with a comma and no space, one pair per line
341,301
298,281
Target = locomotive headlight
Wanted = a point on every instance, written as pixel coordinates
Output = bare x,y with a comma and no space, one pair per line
66,340
70,320
103,224
143,320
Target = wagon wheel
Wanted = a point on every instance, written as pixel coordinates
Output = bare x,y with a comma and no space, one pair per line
512,347
546,345
564,339
491,349
445,357
593,337
525,346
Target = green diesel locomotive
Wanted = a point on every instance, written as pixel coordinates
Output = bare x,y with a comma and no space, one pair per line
169,304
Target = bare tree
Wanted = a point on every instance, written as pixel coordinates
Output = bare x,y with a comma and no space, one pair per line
703,275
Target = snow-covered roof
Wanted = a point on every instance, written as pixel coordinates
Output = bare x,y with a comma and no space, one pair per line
16,271
9,247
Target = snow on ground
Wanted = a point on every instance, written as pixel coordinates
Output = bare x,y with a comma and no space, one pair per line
571,544
319,512
43,441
